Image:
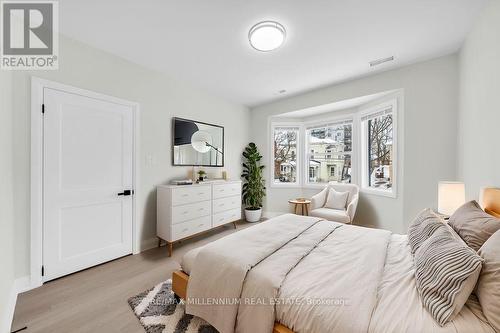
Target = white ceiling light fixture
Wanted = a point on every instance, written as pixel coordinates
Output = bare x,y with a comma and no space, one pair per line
267,36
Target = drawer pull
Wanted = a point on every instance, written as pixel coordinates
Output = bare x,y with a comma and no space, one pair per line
201,209
221,205
201,193
221,219
185,212
185,230
185,195
201,225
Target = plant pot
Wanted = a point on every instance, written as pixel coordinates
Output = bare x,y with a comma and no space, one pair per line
253,215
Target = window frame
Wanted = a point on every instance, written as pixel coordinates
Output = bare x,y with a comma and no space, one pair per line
299,128
364,165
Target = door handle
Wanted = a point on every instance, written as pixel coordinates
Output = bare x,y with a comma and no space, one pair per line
126,192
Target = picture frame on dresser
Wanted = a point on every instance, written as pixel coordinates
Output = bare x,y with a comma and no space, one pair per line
187,211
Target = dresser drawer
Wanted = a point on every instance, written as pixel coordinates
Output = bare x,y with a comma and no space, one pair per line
226,217
227,190
185,195
190,211
223,204
186,229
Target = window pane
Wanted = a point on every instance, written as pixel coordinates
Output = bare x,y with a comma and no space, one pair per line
380,152
330,153
335,168
285,155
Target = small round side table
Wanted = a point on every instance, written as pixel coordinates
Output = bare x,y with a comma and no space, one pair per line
302,203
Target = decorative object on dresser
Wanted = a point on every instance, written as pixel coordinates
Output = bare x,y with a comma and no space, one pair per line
254,188
201,175
186,211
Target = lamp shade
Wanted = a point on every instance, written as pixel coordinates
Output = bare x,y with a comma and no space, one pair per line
451,195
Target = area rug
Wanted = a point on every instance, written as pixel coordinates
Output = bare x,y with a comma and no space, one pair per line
159,312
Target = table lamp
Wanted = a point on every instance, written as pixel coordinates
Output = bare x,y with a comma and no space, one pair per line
451,195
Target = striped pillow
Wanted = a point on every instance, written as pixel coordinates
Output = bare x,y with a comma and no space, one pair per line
424,225
446,271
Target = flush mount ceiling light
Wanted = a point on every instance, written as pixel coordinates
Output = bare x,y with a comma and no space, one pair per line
267,36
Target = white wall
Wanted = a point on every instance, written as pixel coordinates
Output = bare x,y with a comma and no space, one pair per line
160,98
6,204
429,148
478,136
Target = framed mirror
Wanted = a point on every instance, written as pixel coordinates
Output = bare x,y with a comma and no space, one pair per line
196,143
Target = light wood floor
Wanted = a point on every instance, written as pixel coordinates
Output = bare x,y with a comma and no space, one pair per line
95,300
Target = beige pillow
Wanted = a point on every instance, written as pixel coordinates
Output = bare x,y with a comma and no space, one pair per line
488,285
473,224
446,271
422,227
336,200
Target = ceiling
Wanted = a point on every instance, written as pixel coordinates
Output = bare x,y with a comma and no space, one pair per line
205,43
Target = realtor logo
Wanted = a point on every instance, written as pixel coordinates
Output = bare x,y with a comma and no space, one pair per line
29,37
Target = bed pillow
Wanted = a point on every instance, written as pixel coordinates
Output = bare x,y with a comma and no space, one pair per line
336,200
446,272
488,285
473,224
422,227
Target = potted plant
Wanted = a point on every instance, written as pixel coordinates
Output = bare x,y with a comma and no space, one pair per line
201,175
254,188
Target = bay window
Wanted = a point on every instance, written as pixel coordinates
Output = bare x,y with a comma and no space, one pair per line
360,148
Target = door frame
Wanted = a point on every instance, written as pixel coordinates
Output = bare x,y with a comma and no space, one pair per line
37,87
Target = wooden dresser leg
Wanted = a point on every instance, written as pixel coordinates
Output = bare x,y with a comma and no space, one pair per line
159,241
234,224
170,248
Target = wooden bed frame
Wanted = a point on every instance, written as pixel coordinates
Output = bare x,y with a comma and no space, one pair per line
179,287
490,201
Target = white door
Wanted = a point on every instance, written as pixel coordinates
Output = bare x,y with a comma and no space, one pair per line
88,162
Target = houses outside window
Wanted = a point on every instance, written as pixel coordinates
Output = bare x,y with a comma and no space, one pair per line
330,147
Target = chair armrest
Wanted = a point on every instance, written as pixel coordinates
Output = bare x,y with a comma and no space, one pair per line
351,208
318,200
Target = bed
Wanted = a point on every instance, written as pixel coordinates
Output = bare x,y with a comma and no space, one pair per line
295,274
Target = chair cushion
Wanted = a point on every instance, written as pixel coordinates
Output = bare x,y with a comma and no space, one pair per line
341,187
336,200
329,214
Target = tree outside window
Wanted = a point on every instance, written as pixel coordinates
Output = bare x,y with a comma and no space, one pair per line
380,151
285,155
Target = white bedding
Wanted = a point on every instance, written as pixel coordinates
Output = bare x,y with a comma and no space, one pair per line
365,276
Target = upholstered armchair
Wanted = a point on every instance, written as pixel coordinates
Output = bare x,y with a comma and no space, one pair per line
346,215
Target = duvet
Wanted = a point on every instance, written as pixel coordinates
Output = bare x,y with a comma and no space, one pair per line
312,275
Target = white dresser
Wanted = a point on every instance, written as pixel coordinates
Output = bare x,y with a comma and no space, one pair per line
187,210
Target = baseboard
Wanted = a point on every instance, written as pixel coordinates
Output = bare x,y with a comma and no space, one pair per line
149,244
10,306
23,284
